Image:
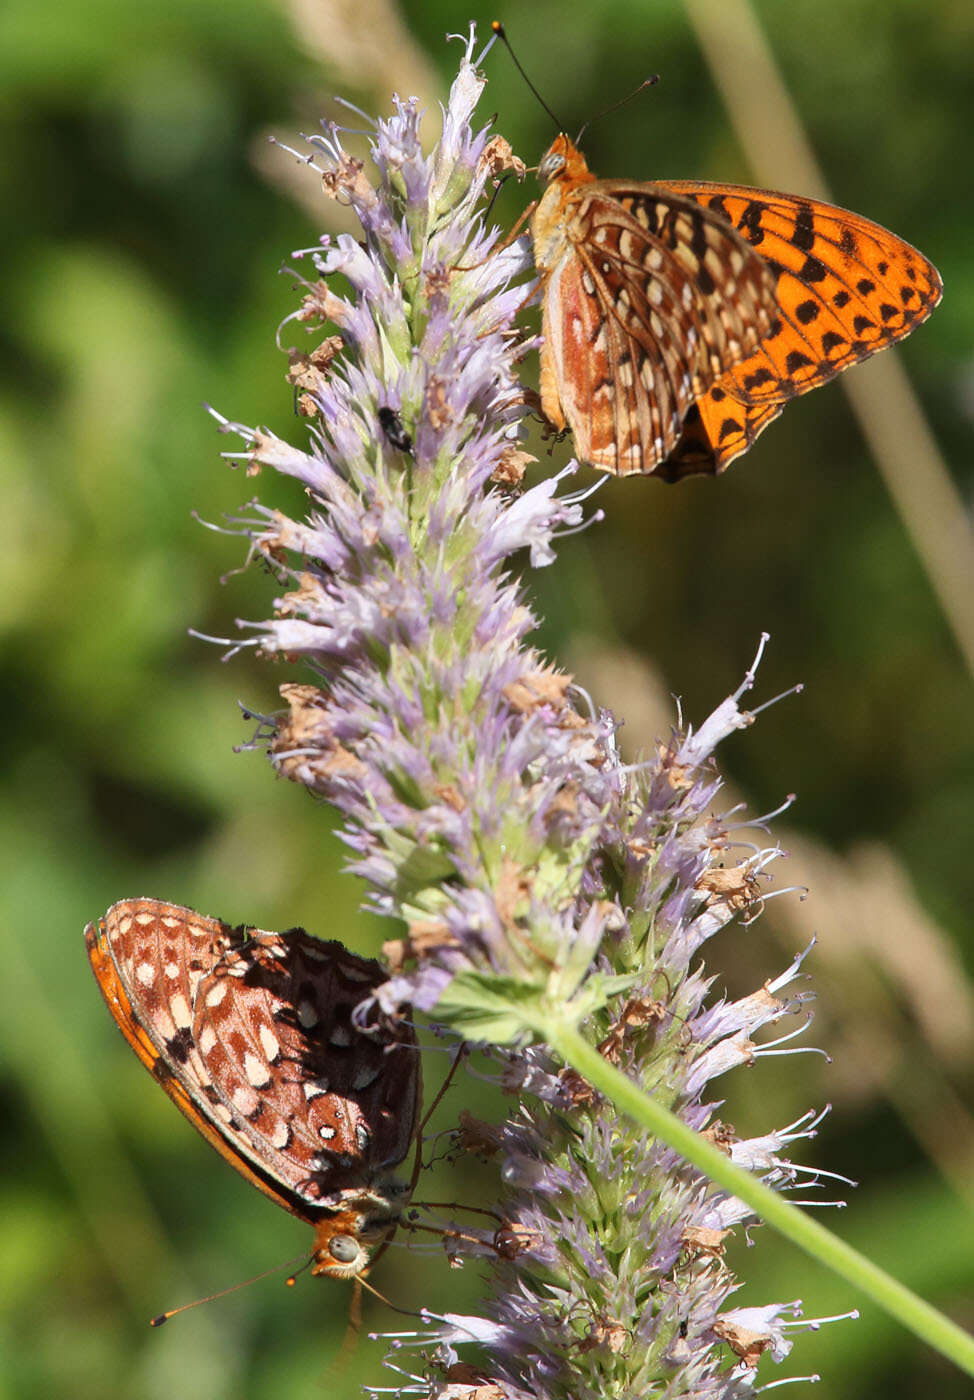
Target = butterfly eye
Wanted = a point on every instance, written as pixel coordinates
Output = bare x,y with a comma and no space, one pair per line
551,165
344,1249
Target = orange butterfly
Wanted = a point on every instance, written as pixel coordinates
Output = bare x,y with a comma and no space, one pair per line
679,317
252,1035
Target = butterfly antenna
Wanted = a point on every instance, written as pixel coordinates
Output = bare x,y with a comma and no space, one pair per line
292,1279
651,81
235,1288
360,1281
498,29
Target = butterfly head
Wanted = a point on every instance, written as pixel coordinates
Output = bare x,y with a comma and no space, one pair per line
364,1219
564,162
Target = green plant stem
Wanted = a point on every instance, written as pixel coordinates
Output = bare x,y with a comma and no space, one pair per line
923,1320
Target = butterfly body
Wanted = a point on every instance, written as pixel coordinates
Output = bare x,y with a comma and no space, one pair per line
252,1035
678,317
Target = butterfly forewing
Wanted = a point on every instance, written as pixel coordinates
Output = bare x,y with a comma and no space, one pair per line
679,317
845,286
252,1035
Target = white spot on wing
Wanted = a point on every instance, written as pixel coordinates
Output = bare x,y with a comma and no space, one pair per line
311,950
244,1100
280,1137
217,992
269,1043
145,974
181,1014
256,1071
307,1014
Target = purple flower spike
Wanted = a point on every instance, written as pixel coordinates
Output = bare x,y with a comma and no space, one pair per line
485,805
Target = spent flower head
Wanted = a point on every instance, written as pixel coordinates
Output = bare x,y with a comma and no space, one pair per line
538,880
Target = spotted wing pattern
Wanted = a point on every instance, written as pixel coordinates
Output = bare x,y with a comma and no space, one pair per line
845,288
252,1034
679,317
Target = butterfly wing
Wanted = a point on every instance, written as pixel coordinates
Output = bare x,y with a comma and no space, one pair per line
252,1038
148,958
715,431
648,299
845,288
323,1103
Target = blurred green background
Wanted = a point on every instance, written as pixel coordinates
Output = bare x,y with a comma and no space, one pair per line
142,243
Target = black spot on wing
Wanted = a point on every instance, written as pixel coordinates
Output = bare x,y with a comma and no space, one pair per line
698,238
755,380
807,311
750,222
728,427
847,242
812,271
161,1071
179,1045
803,234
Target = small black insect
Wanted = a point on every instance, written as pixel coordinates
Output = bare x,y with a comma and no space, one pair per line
391,425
